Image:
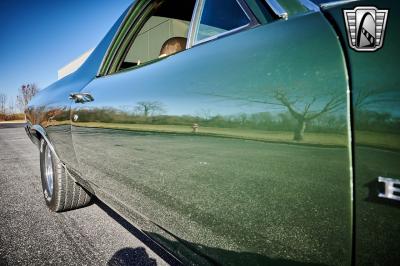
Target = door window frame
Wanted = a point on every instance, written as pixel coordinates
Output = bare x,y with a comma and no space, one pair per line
196,20
139,13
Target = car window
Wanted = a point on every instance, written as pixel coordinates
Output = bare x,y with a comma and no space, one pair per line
163,33
220,16
149,41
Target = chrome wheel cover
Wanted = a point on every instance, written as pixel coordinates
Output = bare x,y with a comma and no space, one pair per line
49,174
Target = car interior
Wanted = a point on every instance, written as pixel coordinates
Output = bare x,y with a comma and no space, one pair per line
163,33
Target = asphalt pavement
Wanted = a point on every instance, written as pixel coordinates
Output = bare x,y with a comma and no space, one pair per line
30,234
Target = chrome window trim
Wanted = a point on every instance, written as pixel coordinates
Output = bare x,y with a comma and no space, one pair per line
310,5
131,34
103,72
195,17
336,3
246,10
106,71
278,10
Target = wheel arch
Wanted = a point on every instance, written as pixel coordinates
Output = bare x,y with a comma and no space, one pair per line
36,133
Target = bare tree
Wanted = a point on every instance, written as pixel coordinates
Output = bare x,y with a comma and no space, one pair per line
205,114
306,114
26,93
149,108
369,98
11,106
3,101
302,110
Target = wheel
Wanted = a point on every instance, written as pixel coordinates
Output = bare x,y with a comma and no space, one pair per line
60,191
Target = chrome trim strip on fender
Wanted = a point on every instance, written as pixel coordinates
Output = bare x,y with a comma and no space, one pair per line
42,133
33,138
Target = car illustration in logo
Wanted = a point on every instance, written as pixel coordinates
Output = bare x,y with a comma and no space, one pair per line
365,27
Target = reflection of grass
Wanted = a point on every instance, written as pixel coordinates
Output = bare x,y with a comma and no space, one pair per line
251,134
366,138
377,139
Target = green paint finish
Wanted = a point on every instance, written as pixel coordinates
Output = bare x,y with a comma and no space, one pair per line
236,151
222,187
375,88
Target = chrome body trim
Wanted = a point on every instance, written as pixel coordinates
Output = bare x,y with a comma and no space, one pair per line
336,3
32,137
43,134
392,189
31,130
248,12
277,9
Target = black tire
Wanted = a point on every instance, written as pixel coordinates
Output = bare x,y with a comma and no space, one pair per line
64,194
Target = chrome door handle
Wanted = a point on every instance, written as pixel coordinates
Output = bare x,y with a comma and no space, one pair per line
81,97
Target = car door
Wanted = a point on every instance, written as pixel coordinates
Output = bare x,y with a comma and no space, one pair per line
237,147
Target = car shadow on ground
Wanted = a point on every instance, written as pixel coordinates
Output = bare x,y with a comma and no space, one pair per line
134,256
131,256
138,256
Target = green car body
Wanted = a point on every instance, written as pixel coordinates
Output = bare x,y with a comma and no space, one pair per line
262,147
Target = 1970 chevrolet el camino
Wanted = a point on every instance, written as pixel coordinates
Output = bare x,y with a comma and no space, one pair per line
236,131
